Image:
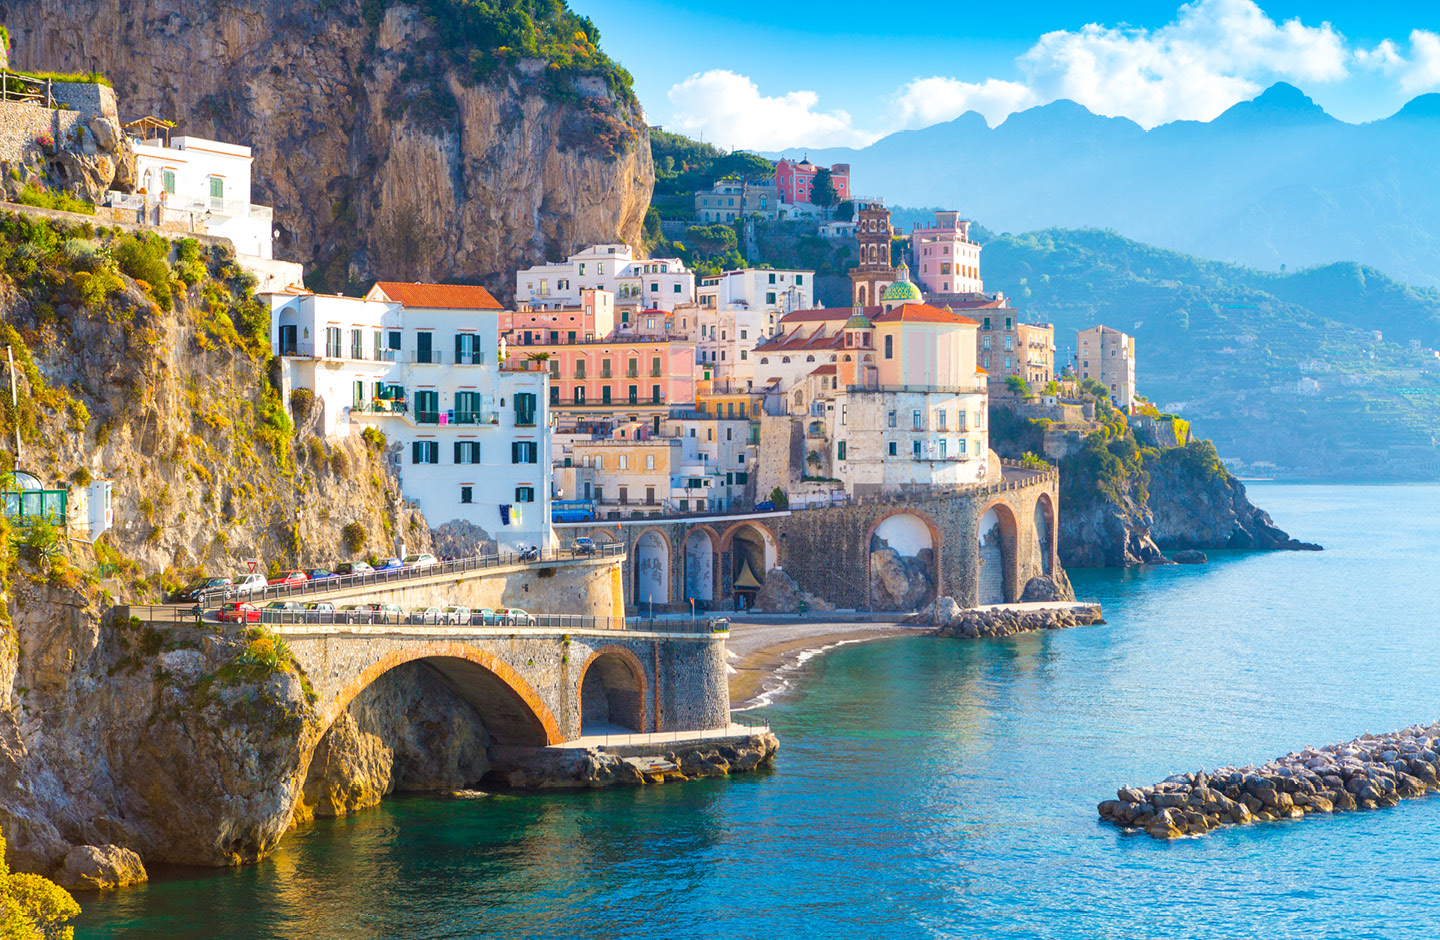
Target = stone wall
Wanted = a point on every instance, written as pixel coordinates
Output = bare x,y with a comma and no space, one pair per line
827,550
525,685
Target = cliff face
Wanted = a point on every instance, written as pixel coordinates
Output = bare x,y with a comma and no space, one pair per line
1198,504
380,157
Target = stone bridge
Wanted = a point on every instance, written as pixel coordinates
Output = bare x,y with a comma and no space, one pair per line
978,544
533,686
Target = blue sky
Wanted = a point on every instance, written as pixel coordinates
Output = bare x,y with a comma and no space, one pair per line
844,78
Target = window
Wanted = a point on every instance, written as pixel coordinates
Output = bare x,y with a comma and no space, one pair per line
217,192
578,395
524,452
844,409
894,448
571,337
604,368
579,368
554,368
605,394
649,461
889,347
772,277
799,280
624,463
915,449
962,445
524,494
467,349
769,296
743,334
1009,343
655,394
917,421
890,419
168,181
677,288
624,495
655,366
554,395
467,452
741,477
425,452
357,344
633,369
634,394
940,420
840,450
984,342
466,494
942,448
332,342
525,408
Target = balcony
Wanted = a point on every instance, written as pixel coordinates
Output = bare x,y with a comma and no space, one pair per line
380,407
427,417
470,359
474,417
432,358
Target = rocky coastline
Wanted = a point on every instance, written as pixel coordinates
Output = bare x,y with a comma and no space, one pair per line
565,768
951,621
1369,772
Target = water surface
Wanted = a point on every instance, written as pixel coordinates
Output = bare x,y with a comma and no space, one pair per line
931,788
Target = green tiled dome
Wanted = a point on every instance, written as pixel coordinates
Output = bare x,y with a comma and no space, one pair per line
859,322
902,291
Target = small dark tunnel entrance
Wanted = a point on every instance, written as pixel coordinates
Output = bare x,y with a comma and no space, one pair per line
612,697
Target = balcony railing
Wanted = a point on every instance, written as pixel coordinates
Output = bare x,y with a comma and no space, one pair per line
470,359
434,357
427,417
381,407
474,417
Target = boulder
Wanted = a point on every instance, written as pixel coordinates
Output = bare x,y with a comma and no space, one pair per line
898,582
780,594
1189,556
1042,588
100,868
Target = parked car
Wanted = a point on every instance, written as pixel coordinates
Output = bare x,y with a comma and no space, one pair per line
455,615
252,583
320,611
391,564
385,613
582,546
320,574
192,592
294,576
283,611
428,615
352,613
486,617
515,617
354,567
423,560
238,612
765,505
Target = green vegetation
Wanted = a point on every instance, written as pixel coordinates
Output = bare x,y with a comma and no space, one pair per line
1282,367
33,907
822,191
374,438
70,78
35,195
1018,386
684,166
353,537
778,497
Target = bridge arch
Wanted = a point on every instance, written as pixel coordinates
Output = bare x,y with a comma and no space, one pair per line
652,567
511,710
1045,534
613,692
752,550
699,551
912,534
999,570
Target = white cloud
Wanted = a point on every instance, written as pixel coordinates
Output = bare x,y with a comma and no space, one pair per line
1417,72
927,101
729,111
1215,53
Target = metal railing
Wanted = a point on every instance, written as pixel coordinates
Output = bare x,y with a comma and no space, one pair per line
382,407
433,358
393,575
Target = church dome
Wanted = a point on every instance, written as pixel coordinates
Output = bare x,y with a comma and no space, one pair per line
859,322
902,291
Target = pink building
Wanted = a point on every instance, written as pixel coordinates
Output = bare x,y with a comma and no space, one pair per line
946,260
612,375
795,180
593,319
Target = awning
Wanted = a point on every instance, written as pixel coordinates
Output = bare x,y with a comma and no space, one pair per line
747,577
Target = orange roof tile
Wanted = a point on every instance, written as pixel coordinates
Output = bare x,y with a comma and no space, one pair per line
435,296
922,313
824,370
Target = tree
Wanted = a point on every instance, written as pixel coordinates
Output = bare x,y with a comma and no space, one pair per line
33,907
743,165
845,211
822,191
1018,386
707,241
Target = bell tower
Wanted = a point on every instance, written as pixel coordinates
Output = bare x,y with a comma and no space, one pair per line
873,273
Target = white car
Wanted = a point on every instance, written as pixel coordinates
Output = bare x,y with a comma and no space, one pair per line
320,612
423,560
455,615
252,583
428,615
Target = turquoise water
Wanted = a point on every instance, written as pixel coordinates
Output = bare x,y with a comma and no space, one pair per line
946,789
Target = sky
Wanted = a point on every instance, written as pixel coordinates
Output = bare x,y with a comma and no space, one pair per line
835,74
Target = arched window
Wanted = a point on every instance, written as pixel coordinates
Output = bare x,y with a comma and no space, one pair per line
809,358
785,359
847,358
834,358
765,360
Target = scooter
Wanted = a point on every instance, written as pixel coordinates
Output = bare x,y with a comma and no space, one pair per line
530,554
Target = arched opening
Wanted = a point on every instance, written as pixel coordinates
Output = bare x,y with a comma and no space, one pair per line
652,569
1044,533
996,535
612,693
422,718
700,568
752,554
903,571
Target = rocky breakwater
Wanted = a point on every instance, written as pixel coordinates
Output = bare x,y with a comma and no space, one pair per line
1372,771
574,768
954,622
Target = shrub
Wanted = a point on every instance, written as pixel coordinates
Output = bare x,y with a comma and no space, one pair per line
778,497
145,257
81,477
190,267
301,401
1018,386
40,198
316,449
33,907
353,537
373,437
339,462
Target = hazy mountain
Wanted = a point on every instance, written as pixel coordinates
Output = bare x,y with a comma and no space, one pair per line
1274,181
1329,371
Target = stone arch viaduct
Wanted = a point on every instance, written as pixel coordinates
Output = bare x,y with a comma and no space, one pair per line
985,543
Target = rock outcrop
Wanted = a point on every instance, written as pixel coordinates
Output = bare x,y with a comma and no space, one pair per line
593,768
1370,772
100,868
780,594
899,582
1197,504
382,154
953,621
84,155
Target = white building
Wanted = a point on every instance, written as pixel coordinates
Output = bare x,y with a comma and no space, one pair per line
653,283
740,309
203,185
420,362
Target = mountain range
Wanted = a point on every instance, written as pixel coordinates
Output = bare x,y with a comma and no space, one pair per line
1273,183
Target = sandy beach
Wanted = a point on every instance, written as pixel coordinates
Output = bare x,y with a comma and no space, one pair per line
764,653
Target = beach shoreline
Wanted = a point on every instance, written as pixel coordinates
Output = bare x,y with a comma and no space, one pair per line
765,655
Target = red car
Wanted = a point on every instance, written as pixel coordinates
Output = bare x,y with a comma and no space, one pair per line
239,612
290,577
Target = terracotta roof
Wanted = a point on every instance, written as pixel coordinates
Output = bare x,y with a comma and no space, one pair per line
922,313
827,313
824,370
435,296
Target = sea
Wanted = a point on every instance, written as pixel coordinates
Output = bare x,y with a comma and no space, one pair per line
947,788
